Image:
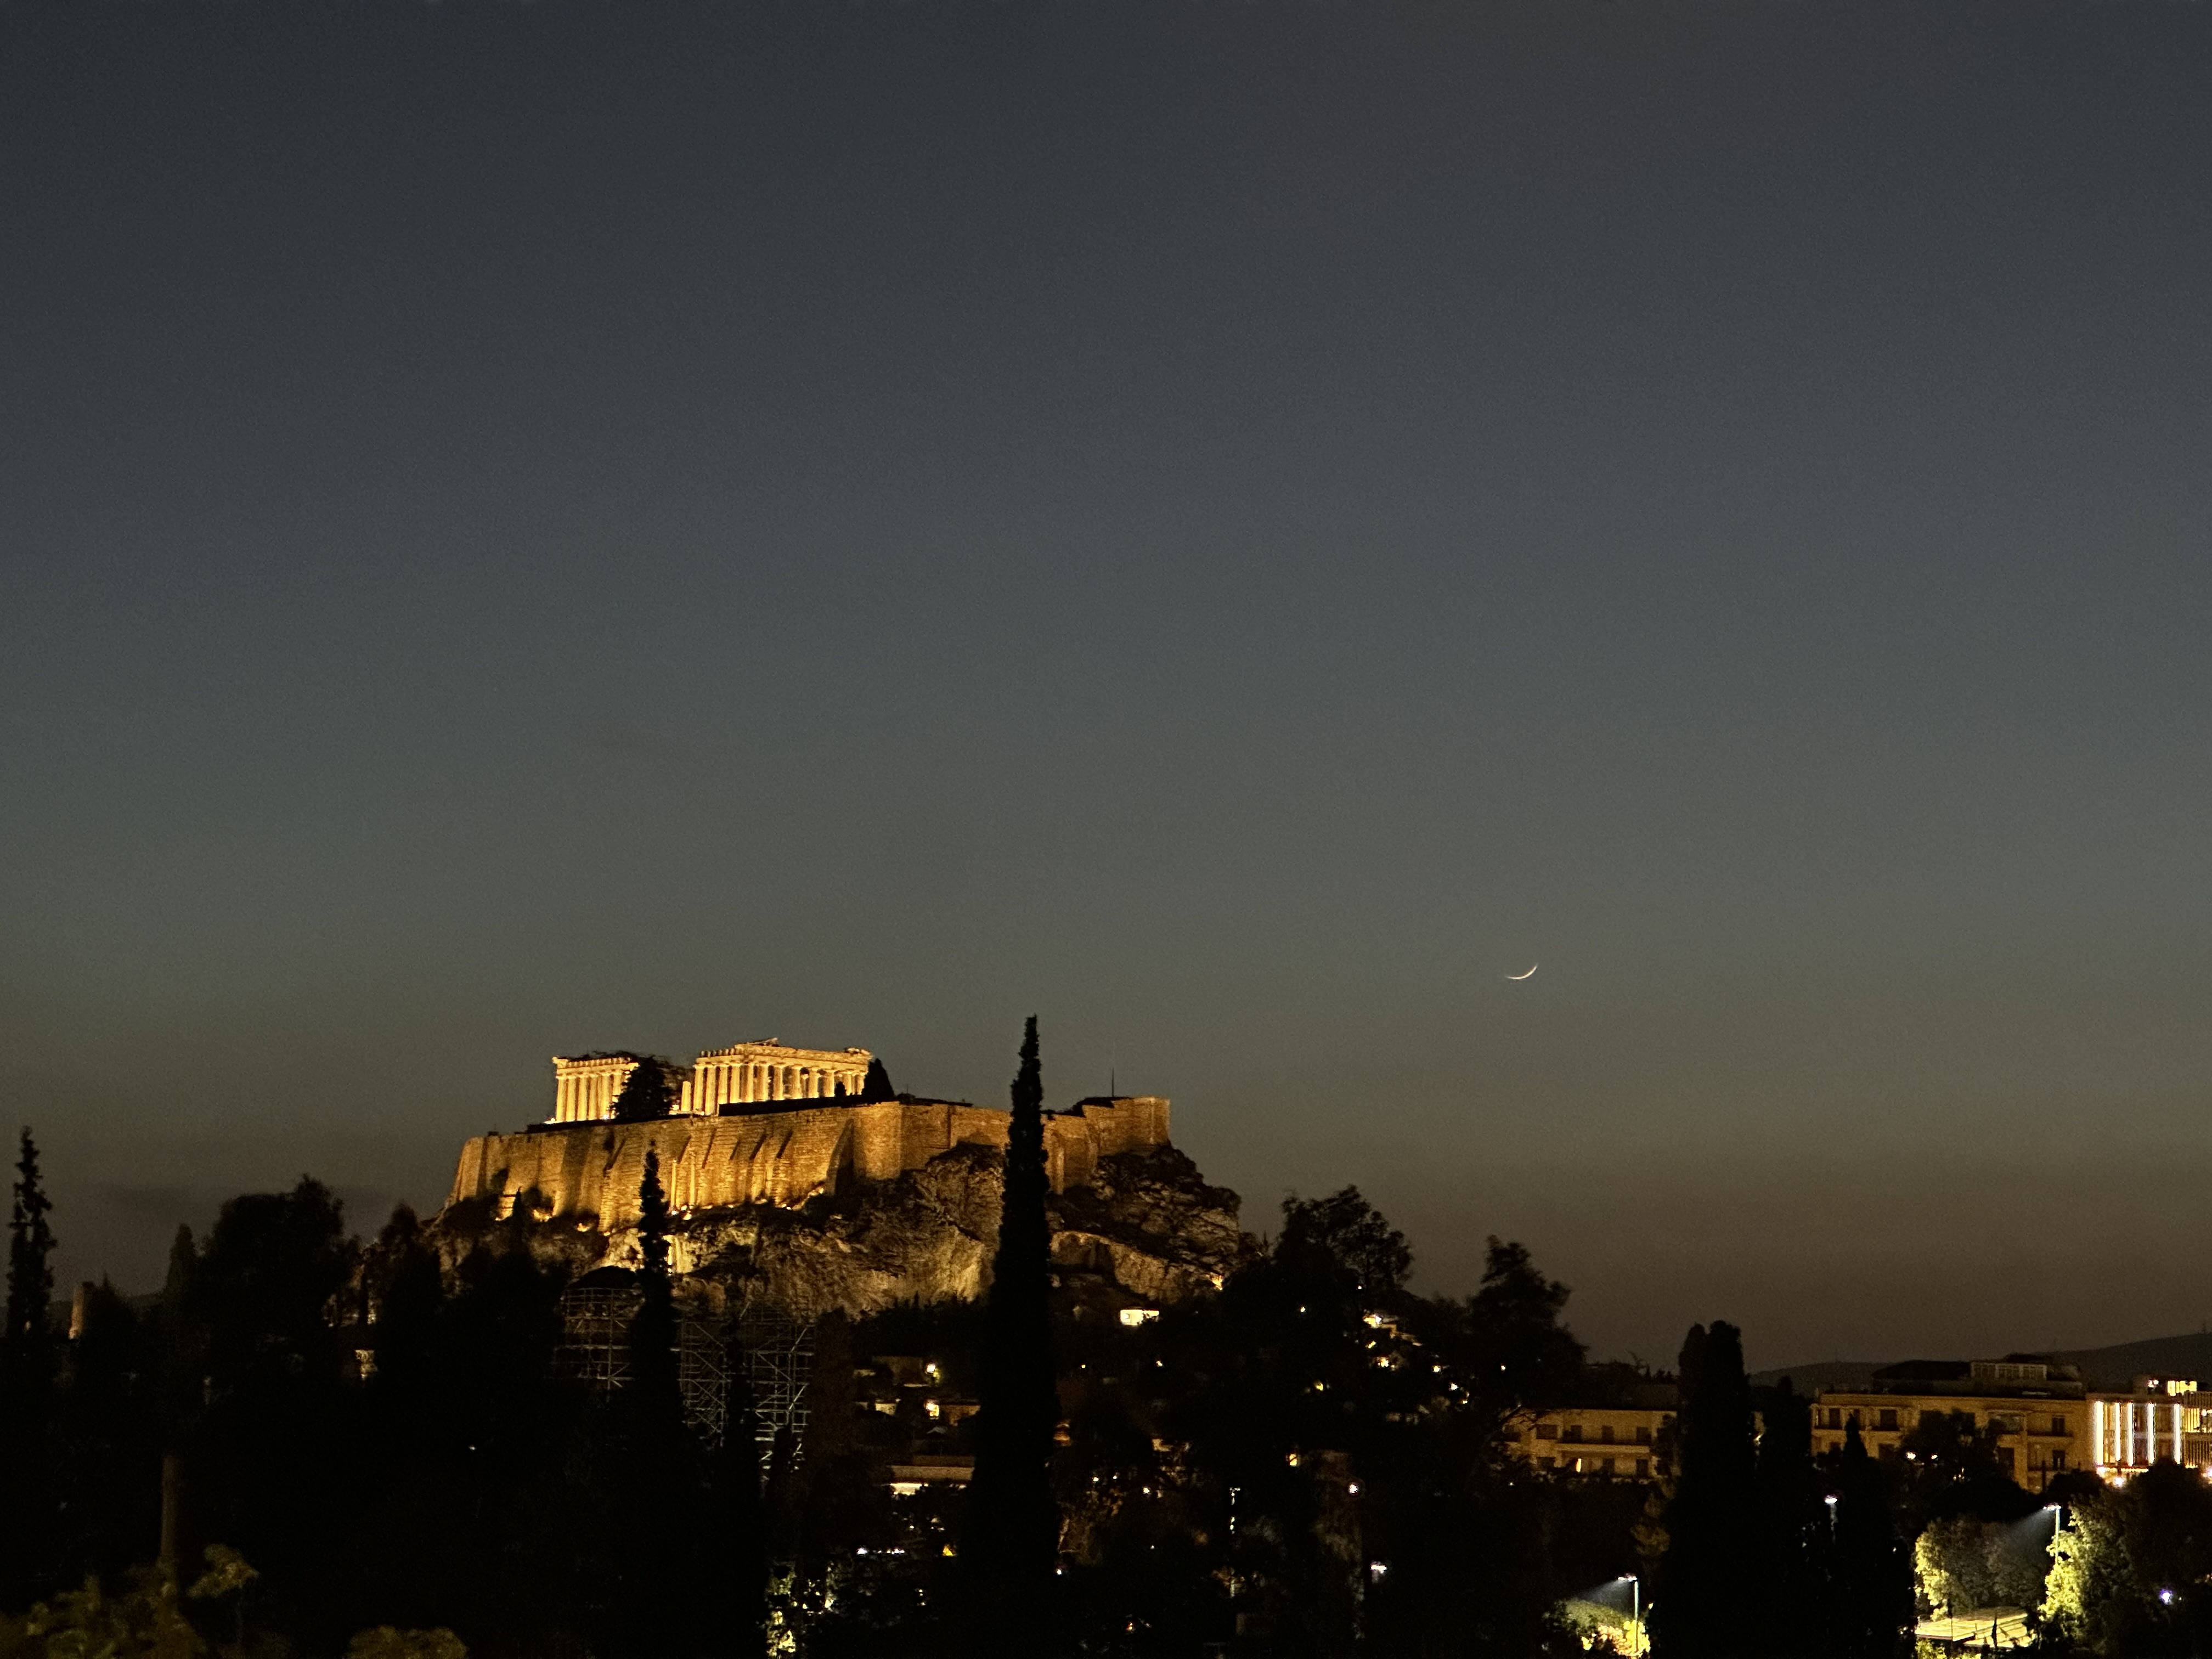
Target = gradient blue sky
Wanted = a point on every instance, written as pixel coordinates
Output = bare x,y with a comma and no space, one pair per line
527,528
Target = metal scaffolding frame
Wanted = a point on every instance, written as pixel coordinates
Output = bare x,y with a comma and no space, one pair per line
595,1322
779,1362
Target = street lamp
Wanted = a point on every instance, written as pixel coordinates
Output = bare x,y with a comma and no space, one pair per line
1635,1610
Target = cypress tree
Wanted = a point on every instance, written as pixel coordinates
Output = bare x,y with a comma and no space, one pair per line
1712,1523
653,1391
1871,1604
180,1356
1793,1522
659,1612
1013,1530
31,1513
26,1347
878,1084
739,1531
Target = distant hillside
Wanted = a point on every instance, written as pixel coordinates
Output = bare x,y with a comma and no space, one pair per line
1821,1373
2114,1368
2104,1370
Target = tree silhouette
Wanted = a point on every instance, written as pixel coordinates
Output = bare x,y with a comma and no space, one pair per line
1871,1605
1345,1228
646,1093
1712,1523
1792,1523
179,1371
1013,1522
30,1515
738,1544
654,1394
109,1429
660,1480
878,1084
280,1431
1953,1467
513,1437
409,1549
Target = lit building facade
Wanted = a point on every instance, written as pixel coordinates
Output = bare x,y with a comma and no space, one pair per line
2161,1417
1612,1442
2040,1411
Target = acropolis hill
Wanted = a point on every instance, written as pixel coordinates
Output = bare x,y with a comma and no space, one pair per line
793,1185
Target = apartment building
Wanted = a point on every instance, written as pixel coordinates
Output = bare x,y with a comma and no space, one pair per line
1617,1441
2041,1412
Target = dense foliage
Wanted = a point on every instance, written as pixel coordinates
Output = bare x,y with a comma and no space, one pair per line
309,1445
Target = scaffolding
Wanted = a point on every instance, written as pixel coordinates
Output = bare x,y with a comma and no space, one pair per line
595,1322
779,1360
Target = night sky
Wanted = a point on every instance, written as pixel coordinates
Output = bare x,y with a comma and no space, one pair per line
527,528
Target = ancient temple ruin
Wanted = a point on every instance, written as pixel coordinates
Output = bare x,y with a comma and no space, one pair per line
760,1123
796,1185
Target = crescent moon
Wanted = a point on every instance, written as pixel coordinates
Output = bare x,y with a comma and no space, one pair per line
1531,970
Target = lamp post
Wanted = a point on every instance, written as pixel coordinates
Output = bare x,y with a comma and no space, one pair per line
1635,1610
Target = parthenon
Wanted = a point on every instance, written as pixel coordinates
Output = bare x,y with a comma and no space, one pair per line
760,1128
781,1125
584,1085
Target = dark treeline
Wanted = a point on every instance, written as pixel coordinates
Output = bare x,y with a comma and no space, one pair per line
311,1445
376,1440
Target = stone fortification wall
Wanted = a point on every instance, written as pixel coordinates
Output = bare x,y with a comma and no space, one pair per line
780,1157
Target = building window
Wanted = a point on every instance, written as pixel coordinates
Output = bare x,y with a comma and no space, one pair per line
1605,1468
1572,1433
1642,1468
1886,1418
1605,1433
2058,1425
1643,1434
1548,1431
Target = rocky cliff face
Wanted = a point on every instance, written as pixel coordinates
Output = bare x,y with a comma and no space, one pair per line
1147,1229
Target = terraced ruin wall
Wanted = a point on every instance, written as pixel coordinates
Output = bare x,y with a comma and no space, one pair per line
780,1158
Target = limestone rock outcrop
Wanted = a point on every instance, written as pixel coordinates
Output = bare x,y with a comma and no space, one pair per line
855,1207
